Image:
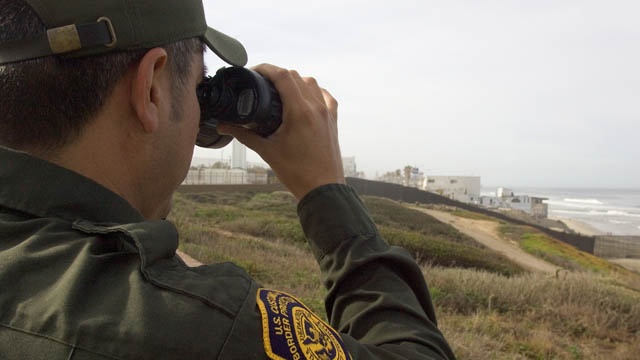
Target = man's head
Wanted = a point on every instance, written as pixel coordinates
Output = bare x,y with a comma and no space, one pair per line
107,88
59,62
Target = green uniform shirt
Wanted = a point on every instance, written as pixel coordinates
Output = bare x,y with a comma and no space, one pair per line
84,276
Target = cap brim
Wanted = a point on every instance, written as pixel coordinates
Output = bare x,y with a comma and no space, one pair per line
226,47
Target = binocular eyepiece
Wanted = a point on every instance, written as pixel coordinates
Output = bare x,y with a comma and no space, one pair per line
238,96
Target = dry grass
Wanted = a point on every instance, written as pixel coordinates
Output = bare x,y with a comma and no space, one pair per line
461,212
580,316
484,315
286,266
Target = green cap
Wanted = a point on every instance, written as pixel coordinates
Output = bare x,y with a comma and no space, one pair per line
80,28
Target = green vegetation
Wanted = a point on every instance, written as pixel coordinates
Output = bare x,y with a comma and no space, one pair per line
556,252
269,215
472,215
393,214
273,216
441,252
433,242
583,314
463,213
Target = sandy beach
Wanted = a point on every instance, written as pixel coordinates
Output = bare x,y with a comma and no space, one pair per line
580,227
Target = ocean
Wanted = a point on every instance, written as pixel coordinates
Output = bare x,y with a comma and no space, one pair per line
611,211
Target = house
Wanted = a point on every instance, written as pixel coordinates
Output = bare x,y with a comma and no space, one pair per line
460,188
507,200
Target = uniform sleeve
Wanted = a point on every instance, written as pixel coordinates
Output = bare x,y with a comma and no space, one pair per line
378,299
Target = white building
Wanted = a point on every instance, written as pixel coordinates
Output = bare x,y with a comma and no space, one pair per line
239,157
413,177
507,200
349,167
531,205
460,188
504,192
392,178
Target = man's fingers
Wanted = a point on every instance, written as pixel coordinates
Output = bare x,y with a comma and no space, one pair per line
245,136
304,152
290,83
311,87
285,81
332,104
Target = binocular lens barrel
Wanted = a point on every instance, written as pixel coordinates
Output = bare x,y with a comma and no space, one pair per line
238,96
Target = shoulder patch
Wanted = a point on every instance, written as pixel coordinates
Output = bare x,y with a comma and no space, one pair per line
292,332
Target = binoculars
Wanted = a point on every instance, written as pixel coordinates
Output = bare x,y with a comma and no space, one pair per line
238,96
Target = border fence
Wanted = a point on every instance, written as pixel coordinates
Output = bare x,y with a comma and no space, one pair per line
618,247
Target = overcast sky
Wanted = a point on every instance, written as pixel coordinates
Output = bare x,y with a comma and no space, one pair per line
521,93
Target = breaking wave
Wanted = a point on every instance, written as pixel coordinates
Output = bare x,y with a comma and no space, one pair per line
585,201
596,212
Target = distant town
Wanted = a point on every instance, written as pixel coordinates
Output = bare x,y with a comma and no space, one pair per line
466,189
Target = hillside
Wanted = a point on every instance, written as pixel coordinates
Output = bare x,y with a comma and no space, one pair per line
488,306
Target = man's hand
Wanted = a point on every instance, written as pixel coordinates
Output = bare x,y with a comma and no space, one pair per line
304,152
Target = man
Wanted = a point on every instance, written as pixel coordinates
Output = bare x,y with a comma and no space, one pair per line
99,119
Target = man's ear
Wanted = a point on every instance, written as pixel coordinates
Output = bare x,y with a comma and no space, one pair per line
147,91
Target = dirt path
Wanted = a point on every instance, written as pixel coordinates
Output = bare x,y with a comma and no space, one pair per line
486,232
631,264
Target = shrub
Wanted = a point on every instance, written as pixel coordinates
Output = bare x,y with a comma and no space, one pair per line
392,214
440,251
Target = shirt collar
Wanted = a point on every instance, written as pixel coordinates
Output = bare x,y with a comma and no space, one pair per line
38,187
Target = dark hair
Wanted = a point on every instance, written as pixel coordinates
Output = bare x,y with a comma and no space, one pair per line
45,103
